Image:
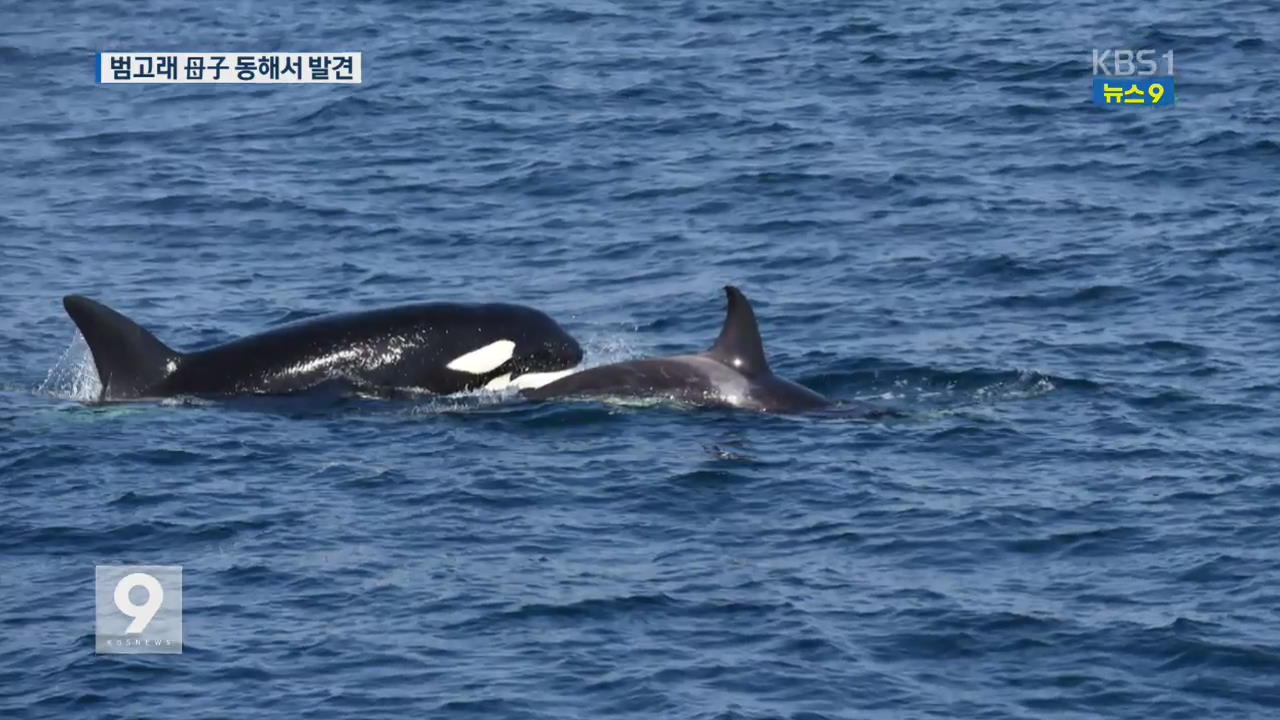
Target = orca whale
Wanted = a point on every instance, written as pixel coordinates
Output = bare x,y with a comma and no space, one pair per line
733,373
436,348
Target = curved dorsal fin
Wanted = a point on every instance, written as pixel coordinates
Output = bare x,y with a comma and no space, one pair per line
739,344
130,360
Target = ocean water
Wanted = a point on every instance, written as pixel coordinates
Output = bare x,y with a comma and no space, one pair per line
1075,308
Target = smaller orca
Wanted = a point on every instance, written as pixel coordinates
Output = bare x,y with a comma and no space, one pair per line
733,373
438,348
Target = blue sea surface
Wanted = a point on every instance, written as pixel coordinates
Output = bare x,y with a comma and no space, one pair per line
1077,309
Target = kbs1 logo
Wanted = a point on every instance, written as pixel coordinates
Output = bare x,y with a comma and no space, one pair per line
1131,77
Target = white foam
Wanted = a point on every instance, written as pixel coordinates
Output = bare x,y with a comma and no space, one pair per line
73,376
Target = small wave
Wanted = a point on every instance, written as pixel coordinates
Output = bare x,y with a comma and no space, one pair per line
1004,267
1091,542
570,16
851,28
1087,296
711,478
720,16
349,106
575,611
1167,349
11,55
131,499
873,380
126,538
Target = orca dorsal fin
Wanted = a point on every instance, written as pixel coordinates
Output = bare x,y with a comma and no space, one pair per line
739,344
130,360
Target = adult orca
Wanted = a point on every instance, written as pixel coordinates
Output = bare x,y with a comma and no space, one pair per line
437,348
733,373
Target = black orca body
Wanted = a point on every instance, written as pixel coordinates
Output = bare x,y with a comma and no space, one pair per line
733,373
430,347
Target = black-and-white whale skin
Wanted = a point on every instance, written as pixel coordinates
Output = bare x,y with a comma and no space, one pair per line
436,348
733,373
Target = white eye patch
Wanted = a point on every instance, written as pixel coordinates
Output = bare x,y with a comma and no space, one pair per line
485,359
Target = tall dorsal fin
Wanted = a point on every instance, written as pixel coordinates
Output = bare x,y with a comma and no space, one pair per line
130,360
739,344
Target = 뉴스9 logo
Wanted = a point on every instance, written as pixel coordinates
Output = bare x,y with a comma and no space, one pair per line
139,608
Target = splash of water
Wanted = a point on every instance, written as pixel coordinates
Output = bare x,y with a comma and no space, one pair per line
606,350
73,376
955,388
